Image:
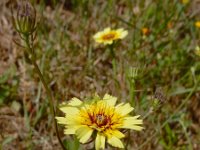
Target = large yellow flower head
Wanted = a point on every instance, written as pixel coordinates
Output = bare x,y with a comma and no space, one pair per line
107,36
100,117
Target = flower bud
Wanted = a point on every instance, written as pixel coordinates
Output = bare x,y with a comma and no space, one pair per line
133,72
159,95
25,19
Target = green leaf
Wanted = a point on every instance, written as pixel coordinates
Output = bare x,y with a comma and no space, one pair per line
72,144
4,92
7,140
6,75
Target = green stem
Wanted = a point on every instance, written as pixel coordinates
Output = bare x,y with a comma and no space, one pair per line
49,93
114,63
186,134
111,47
128,140
132,92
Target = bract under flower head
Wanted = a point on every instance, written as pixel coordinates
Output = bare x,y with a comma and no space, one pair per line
107,36
100,117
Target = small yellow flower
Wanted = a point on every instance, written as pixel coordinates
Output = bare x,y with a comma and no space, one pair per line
145,31
197,50
99,117
107,36
197,24
185,1
169,25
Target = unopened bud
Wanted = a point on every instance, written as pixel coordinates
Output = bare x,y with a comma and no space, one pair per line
25,19
133,72
159,95
155,103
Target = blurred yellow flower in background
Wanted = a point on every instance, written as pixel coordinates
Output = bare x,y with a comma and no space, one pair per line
169,25
99,117
197,51
145,31
197,24
107,36
185,1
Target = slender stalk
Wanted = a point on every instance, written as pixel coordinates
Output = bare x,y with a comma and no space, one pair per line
114,63
186,135
128,140
48,90
132,92
111,47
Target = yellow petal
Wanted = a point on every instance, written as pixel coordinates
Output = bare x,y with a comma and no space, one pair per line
106,30
120,30
115,142
84,133
122,33
61,120
73,120
137,116
110,100
134,127
97,35
132,120
118,134
100,142
124,109
75,102
69,110
132,123
71,129
108,42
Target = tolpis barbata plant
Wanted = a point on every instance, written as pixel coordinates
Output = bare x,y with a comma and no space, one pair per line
101,120
25,23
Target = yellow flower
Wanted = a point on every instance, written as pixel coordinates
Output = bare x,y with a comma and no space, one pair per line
99,117
169,25
185,1
145,31
197,50
107,36
197,24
